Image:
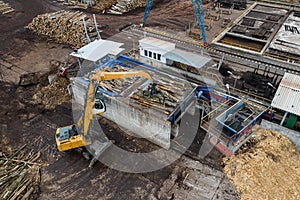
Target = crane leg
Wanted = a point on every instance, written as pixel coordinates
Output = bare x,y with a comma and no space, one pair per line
148,7
197,5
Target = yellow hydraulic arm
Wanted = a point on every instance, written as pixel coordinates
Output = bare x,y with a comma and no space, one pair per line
79,140
94,81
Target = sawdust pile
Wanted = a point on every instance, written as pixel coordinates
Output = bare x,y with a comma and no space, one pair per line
268,170
53,94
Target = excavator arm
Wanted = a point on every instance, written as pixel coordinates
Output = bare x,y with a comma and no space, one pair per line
94,82
64,139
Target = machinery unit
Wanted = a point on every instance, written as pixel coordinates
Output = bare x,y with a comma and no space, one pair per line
230,123
76,135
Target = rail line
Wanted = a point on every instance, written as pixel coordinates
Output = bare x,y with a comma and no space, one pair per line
215,51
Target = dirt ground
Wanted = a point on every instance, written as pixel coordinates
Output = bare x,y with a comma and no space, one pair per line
67,175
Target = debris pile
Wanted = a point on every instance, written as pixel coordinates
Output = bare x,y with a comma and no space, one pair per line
124,6
158,96
268,169
20,174
64,27
5,8
163,95
53,94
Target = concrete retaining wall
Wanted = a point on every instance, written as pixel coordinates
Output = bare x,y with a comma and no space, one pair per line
145,123
294,136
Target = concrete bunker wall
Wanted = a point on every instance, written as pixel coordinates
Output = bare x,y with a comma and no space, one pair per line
144,123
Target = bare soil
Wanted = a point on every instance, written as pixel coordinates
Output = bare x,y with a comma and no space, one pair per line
22,121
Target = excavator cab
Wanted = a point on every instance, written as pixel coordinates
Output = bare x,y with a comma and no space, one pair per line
68,138
99,107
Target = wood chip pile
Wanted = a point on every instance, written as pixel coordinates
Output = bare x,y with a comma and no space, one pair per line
64,27
19,174
269,169
168,92
124,6
5,8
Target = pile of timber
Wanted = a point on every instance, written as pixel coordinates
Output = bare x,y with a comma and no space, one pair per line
5,8
124,6
103,6
117,7
165,95
164,99
64,27
116,85
19,174
95,5
267,167
81,4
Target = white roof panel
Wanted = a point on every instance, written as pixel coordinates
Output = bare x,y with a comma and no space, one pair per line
157,43
98,49
188,58
287,96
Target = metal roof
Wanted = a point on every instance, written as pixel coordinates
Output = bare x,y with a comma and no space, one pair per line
161,44
98,49
287,96
287,38
188,58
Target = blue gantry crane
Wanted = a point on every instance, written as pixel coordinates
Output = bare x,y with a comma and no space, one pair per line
197,5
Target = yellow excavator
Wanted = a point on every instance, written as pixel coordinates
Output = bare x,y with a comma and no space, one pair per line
75,135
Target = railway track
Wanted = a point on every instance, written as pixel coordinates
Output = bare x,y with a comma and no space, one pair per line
214,51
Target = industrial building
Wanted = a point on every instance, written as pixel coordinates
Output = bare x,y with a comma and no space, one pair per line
287,99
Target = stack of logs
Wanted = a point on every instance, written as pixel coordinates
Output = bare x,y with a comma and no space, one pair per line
116,85
19,174
64,27
110,6
5,8
162,97
124,6
105,5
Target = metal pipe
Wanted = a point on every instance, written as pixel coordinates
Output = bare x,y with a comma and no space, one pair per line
86,32
96,26
284,117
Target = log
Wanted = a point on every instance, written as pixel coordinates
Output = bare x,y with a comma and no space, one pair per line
19,191
14,185
28,193
25,162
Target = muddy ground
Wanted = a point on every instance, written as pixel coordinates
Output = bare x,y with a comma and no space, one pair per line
67,176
